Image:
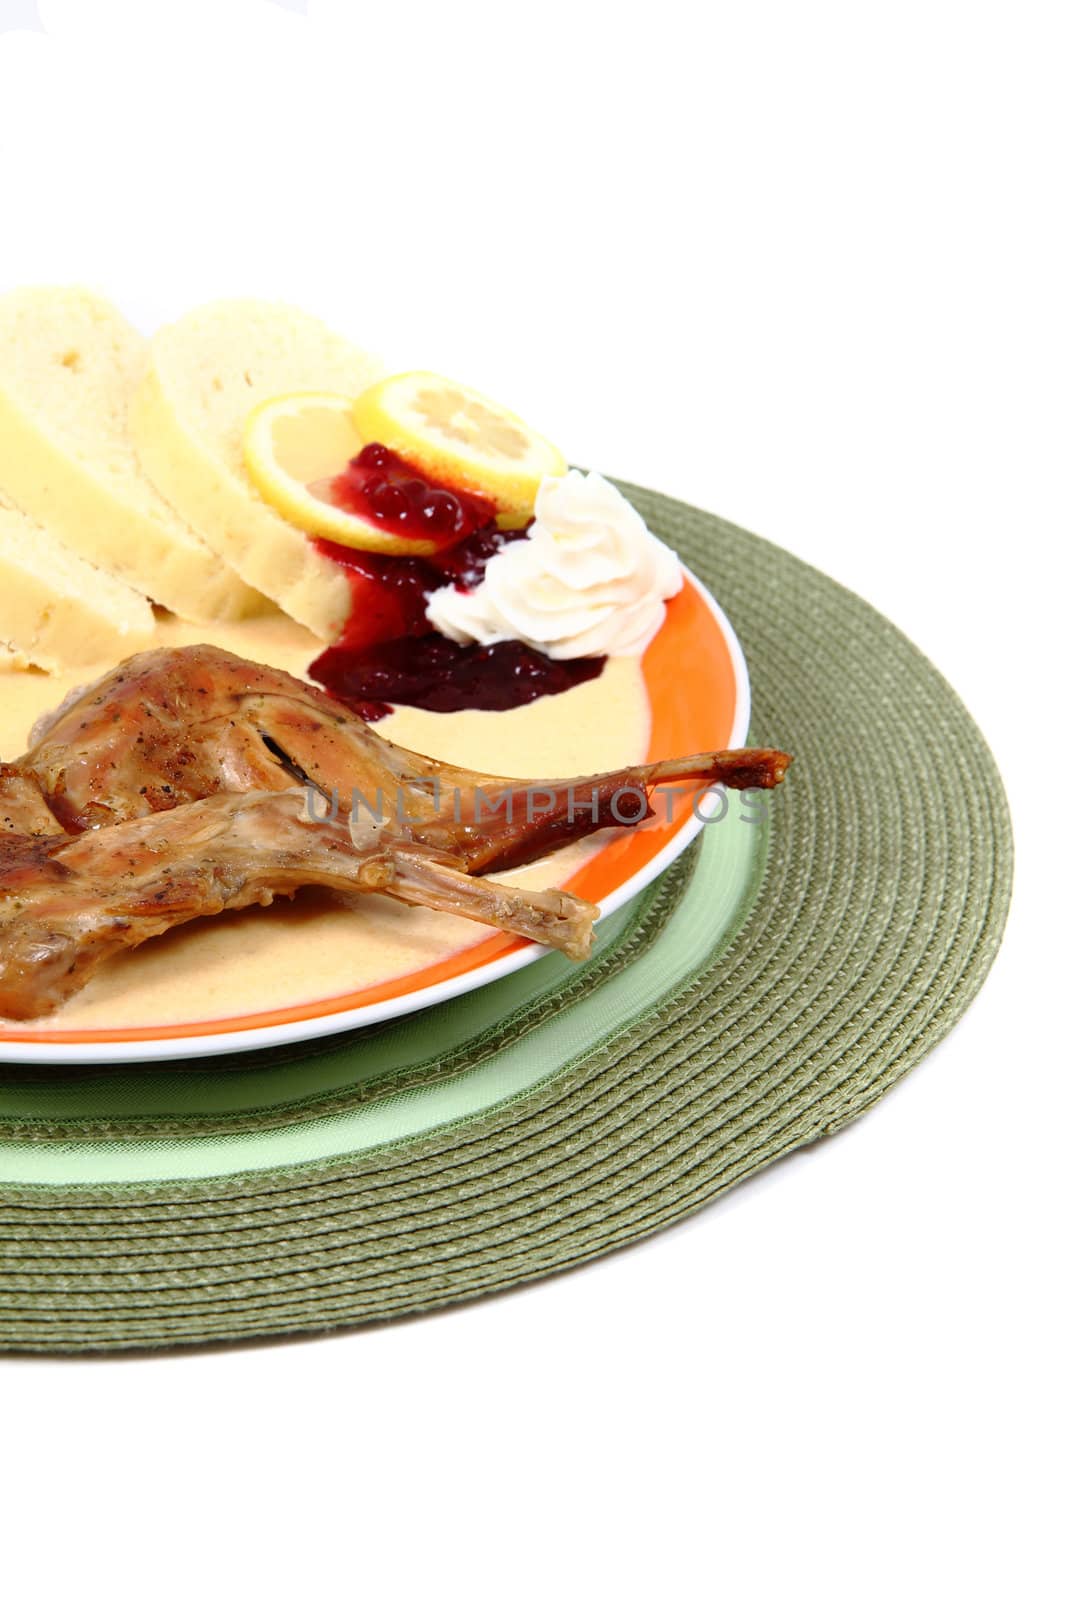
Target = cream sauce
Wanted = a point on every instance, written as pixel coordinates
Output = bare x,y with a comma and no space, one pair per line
315,947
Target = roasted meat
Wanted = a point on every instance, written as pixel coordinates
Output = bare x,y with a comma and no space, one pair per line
23,809
188,782
170,726
67,903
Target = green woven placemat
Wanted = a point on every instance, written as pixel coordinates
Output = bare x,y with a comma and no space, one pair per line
766,993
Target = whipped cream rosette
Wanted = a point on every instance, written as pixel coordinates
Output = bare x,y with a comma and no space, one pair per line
590,579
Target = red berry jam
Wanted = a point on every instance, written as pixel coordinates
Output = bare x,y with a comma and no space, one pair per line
384,489
389,593
440,675
388,653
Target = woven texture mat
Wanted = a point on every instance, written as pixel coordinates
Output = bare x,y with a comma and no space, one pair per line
691,1056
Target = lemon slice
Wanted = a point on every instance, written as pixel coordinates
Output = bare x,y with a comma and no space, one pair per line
457,436
296,444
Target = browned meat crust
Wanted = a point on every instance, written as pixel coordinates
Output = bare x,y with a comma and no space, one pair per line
179,785
170,726
68,903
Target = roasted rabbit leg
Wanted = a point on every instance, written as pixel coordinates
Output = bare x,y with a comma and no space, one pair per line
172,726
22,805
68,903
180,785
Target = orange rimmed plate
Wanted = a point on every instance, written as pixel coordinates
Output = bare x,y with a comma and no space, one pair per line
697,687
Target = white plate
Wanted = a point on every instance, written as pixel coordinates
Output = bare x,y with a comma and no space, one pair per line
701,612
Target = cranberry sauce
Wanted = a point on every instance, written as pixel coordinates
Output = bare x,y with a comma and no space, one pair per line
388,596
388,653
440,675
389,593
383,488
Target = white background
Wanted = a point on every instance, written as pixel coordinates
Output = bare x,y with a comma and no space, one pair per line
801,264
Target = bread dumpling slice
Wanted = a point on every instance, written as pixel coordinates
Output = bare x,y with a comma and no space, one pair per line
69,364
56,610
208,370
